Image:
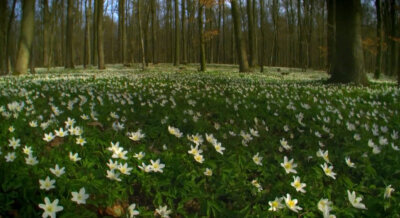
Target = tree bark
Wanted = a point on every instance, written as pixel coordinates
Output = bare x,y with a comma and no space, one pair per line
100,35
94,47
200,17
46,33
87,51
379,35
26,37
69,36
275,10
240,46
184,43
8,43
251,31
177,57
331,34
393,33
300,33
153,30
141,35
349,59
262,19
3,30
122,32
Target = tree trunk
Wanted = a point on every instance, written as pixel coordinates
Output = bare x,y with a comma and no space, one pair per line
94,47
240,46
87,51
153,30
100,35
3,30
262,19
379,35
275,11
46,33
300,32
184,43
349,59
251,31
8,43
201,34
393,35
331,34
177,57
141,35
26,36
122,32
69,37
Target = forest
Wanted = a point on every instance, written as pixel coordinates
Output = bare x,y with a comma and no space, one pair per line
199,108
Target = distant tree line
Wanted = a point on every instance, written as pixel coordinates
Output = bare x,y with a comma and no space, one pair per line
307,34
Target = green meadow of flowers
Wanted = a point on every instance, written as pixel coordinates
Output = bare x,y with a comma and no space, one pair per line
192,145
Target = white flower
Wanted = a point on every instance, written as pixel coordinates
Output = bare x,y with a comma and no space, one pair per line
74,157
50,208
219,148
325,206
257,159
289,165
136,136
163,211
276,204
27,150
349,163
14,143
132,211
10,157
30,160
298,185
57,171
208,172
113,176
324,155
199,158
81,197
157,166
285,144
146,168
292,203
139,155
328,170
112,165
48,137
124,169
196,139
47,184
80,141
256,184
61,132
174,131
355,201
388,191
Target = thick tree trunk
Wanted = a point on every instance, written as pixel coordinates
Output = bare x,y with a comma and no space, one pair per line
122,32
275,10
141,35
87,51
251,31
240,46
331,34
393,34
379,35
300,55
69,36
94,45
177,57
153,30
100,35
200,17
349,58
184,43
46,33
262,22
8,41
3,30
26,37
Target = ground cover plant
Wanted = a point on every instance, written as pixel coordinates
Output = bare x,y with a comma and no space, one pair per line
184,144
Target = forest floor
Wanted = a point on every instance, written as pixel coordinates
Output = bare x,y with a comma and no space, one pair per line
173,141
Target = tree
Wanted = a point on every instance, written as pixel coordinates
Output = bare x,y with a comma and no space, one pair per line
8,37
177,57
184,45
379,35
94,47
100,35
240,47
69,36
200,18
331,33
26,37
153,29
349,60
3,30
87,51
275,11
262,23
46,33
122,32
141,35
252,33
